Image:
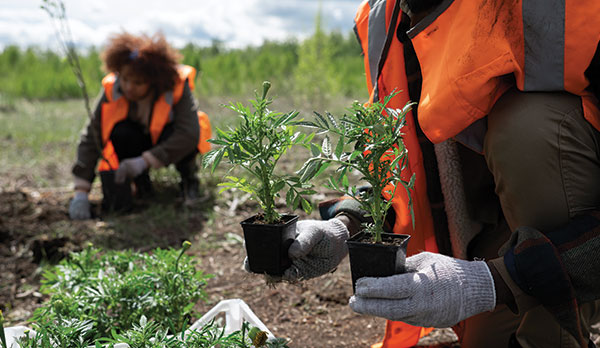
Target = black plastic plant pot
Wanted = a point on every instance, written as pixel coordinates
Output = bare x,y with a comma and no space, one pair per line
267,244
116,197
369,259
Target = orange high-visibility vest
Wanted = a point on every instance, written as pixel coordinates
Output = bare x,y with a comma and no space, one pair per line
372,24
472,51
115,109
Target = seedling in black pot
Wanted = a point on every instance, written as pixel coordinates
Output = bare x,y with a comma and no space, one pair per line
369,142
256,145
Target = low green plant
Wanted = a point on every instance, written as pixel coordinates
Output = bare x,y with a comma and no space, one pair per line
256,145
104,292
145,334
370,142
59,333
149,335
2,336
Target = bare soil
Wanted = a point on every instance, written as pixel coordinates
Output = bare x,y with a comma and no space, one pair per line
35,229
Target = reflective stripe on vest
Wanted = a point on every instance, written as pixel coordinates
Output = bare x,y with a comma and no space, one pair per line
377,35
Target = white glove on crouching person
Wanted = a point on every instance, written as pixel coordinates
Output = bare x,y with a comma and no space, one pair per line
319,247
437,291
79,208
130,168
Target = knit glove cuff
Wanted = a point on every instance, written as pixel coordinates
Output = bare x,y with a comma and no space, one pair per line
479,293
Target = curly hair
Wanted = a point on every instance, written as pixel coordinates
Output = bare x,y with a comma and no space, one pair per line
150,57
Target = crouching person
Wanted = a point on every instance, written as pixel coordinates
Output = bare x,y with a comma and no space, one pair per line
146,117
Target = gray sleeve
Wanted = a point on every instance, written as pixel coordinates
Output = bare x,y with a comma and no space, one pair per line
88,150
186,131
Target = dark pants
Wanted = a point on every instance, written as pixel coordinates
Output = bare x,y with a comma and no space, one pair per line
543,157
130,140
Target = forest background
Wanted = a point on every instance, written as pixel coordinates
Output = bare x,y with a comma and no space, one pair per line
317,70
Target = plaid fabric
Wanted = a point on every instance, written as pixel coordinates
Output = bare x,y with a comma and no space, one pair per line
560,268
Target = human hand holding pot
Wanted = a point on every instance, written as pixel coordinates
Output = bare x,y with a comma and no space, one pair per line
318,249
436,291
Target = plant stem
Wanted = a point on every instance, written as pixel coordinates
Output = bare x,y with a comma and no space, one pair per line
65,38
184,246
2,336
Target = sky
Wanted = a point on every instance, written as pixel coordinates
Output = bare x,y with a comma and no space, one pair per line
237,23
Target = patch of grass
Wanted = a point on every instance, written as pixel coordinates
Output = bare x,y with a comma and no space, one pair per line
38,140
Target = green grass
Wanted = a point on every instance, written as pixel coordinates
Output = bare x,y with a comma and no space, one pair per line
39,141
39,138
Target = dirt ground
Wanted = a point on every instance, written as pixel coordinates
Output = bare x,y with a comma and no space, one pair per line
35,229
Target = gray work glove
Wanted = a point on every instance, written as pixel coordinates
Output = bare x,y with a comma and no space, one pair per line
318,249
130,168
79,208
437,291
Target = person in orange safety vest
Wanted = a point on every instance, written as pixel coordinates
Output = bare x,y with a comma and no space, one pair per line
146,117
504,145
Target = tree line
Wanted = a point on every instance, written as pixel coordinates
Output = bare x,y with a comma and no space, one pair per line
322,66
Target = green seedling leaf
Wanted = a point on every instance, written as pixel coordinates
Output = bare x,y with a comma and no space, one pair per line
310,171
339,149
314,149
326,146
278,186
374,132
256,144
332,120
322,121
289,197
306,206
218,142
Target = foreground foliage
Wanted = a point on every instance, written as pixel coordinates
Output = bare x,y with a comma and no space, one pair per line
148,334
144,300
93,294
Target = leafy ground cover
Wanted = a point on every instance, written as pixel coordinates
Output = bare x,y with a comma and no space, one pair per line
35,232
102,298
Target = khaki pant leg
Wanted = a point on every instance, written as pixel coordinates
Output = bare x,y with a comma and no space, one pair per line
539,329
543,155
488,329
544,158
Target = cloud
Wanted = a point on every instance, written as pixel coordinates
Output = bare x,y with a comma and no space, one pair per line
237,23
